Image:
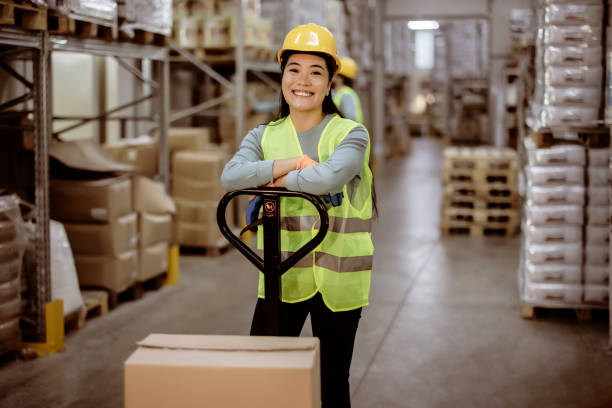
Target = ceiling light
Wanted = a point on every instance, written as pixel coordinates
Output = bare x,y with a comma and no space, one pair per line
423,25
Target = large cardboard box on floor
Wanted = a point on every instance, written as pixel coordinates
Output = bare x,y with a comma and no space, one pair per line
103,200
190,371
150,196
188,138
114,273
198,235
104,239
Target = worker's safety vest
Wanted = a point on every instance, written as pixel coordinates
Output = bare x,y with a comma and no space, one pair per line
340,267
347,90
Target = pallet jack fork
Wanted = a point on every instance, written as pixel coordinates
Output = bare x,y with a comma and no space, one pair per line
272,266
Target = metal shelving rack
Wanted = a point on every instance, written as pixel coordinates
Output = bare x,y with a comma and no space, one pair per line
39,46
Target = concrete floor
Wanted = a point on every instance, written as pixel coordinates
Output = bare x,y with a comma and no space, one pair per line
443,327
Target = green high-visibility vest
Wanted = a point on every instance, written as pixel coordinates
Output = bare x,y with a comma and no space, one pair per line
340,267
346,90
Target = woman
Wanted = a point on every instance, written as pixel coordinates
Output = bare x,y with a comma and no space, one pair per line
311,148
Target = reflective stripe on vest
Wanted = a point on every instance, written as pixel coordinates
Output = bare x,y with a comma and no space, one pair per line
346,90
340,267
336,224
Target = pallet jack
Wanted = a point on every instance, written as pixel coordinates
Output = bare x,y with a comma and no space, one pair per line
272,266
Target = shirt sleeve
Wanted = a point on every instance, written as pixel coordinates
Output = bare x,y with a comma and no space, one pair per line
248,169
339,169
347,107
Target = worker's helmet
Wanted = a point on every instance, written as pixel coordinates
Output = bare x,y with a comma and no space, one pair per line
348,67
310,38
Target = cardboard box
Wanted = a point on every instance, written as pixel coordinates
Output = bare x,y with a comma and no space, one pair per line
104,239
201,212
102,200
191,371
114,273
153,261
190,189
201,166
142,153
154,228
150,196
198,235
187,138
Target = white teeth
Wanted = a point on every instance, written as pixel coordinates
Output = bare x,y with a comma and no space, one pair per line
302,93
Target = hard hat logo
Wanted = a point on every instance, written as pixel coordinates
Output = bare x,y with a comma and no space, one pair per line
310,38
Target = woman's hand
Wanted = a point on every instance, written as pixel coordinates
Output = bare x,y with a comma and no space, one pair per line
283,166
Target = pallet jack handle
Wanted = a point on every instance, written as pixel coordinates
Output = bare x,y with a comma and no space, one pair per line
272,265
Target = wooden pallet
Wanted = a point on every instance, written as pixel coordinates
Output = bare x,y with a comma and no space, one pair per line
582,313
476,230
593,137
492,203
24,16
145,37
489,192
482,158
69,25
478,176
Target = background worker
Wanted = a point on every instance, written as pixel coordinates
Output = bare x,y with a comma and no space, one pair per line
311,148
345,97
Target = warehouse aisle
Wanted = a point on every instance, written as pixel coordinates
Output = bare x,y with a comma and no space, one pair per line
443,328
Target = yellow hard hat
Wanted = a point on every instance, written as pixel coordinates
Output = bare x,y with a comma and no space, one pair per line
348,67
311,38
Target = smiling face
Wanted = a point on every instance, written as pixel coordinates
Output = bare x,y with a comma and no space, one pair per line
305,82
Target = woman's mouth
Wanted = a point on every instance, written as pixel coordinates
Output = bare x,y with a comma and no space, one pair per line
302,93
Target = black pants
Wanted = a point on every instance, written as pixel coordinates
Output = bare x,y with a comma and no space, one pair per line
336,332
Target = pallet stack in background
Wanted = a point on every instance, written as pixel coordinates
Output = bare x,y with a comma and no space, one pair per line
480,191
564,261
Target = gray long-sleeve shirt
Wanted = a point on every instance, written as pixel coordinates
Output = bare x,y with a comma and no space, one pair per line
248,168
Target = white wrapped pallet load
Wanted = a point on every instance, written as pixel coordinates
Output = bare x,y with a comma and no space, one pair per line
553,293
597,215
568,116
574,96
572,56
98,11
597,254
557,214
543,176
576,13
557,155
64,279
599,157
546,234
559,273
551,195
597,234
554,253
569,36
598,195
573,76
598,274
598,294
598,176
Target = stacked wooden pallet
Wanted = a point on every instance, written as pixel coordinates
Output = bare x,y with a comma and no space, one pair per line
480,191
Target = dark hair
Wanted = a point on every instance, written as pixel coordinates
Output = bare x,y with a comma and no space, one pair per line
329,107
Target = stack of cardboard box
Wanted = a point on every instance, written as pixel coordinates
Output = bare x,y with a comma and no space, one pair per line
141,152
155,211
196,189
102,227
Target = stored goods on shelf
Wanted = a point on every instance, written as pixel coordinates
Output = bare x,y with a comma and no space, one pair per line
101,11
141,152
